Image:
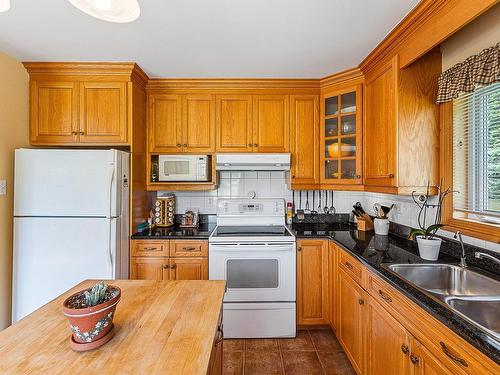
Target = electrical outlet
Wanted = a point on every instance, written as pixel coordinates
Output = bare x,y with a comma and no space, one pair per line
3,187
211,202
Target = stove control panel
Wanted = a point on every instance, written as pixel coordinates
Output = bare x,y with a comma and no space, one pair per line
251,207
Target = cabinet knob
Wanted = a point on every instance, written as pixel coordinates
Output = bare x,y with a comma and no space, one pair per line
185,145
173,267
82,133
405,349
358,176
165,266
361,301
299,249
414,360
255,145
179,145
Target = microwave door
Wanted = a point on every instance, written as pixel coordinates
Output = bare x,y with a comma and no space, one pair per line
176,169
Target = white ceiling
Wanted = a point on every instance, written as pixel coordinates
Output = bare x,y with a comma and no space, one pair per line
208,38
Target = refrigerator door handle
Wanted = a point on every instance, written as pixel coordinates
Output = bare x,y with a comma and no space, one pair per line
109,187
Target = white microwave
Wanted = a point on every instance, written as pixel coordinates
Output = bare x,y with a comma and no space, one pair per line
183,168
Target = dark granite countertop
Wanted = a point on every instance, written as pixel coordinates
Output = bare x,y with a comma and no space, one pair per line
175,232
377,251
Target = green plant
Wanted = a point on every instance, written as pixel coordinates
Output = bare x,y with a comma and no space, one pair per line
96,295
428,232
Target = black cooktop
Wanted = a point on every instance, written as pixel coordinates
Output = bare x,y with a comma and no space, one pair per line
254,231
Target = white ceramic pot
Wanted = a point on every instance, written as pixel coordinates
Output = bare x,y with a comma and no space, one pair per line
429,248
381,226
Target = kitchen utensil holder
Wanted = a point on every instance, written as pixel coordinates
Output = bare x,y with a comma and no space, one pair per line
365,223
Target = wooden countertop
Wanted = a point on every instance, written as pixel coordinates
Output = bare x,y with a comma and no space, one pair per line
165,327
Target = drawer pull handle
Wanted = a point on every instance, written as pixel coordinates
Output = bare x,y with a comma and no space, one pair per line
405,349
414,360
189,248
462,361
150,248
390,175
384,296
349,265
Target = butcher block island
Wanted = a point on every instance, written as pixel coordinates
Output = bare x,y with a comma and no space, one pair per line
161,327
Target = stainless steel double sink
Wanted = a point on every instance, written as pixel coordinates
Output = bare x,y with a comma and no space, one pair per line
470,294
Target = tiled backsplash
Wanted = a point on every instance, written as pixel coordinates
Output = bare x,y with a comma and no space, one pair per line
272,185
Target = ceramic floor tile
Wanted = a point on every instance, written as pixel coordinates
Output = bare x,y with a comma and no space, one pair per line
301,342
232,363
301,363
336,363
263,362
325,340
261,344
233,344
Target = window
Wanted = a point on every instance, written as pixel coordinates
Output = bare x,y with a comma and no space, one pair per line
476,155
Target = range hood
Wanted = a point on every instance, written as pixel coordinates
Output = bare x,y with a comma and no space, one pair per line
252,162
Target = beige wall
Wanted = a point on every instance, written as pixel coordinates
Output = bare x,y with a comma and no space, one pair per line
482,33
13,134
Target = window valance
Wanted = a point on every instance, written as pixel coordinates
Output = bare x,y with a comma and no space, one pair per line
478,70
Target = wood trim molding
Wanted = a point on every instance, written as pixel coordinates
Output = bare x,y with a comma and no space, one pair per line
229,84
353,74
129,70
484,231
417,31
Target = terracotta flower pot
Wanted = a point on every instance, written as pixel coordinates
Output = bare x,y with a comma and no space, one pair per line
90,324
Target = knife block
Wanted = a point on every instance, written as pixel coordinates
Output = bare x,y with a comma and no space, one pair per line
365,223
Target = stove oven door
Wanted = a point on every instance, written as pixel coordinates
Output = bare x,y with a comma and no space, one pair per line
254,272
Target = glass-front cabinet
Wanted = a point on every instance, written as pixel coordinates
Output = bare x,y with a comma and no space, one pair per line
341,137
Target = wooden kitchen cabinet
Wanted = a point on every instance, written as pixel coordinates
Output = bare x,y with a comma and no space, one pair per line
333,285
216,357
169,259
351,319
188,268
149,268
341,137
54,112
234,123
165,123
271,126
198,124
304,141
312,282
387,342
88,104
401,121
103,112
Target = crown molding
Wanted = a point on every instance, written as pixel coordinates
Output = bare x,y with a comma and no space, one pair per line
353,74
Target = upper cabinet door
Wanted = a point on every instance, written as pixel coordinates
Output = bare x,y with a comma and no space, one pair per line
304,142
271,126
103,112
234,123
165,123
54,112
380,128
198,130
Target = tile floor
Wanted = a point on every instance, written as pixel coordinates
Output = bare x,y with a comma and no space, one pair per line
311,352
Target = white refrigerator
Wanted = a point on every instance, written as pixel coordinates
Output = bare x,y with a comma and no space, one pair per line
71,210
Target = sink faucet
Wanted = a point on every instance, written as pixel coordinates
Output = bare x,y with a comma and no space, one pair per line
463,263
480,255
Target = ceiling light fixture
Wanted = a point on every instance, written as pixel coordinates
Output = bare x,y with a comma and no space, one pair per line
109,10
4,5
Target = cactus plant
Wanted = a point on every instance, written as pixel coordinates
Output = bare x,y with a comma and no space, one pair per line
96,295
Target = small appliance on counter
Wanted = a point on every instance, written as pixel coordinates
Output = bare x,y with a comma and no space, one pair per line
190,219
164,211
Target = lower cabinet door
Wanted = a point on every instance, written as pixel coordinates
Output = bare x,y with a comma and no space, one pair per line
387,343
425,363
149,268
312,282
189,268
351,316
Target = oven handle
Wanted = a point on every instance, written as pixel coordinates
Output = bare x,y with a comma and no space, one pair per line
259,247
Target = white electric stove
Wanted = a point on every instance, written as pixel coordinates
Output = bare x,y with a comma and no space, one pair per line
254,251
